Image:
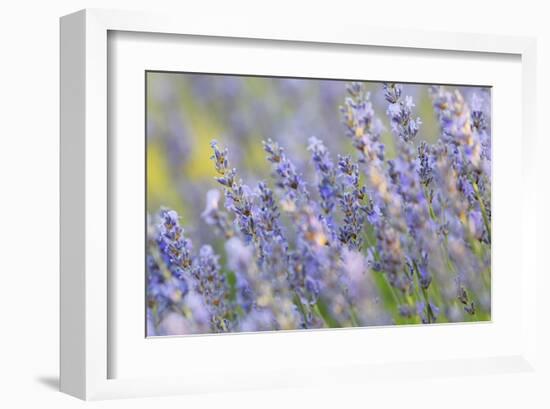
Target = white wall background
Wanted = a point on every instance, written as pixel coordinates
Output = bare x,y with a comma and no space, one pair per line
29,125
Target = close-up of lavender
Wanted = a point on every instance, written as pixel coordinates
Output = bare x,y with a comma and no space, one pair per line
282,204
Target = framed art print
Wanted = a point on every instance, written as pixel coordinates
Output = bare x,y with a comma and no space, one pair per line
284,209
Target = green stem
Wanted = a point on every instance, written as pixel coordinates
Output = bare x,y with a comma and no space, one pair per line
298,302
353,317
430,208
429,313
320,314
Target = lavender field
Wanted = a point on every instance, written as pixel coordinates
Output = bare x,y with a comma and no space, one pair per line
285,204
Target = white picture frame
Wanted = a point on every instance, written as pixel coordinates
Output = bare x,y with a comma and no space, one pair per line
87,352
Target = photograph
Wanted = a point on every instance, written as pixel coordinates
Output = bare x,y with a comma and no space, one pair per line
276,204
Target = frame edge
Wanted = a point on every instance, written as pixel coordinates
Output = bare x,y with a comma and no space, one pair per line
72,207
83,353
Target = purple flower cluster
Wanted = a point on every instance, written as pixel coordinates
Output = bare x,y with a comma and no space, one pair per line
367,240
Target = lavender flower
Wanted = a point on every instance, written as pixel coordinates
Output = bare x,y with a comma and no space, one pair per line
455,121
480,117
287,178
362,126
327,174
400,113
167,260
351,203
212,285
425,164
172,244
237,196
214,216
268,214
